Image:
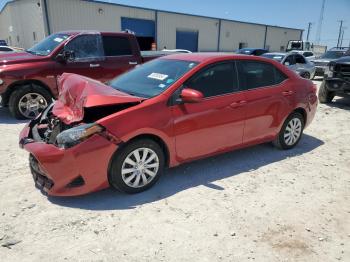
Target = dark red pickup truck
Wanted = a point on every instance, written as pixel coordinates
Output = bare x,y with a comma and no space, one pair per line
28,80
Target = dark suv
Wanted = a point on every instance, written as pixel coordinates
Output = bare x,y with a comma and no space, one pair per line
336,80
322,62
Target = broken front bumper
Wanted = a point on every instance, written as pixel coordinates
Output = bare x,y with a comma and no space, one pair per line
68,172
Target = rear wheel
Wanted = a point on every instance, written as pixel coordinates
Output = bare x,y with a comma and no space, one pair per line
137,166
27,101
306,75
291,132
325,96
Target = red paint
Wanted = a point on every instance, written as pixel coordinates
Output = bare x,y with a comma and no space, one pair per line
189,130
44,70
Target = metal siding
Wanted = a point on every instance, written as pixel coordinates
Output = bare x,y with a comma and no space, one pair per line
141,27
169,23
277,37
233,33
23,17
83,15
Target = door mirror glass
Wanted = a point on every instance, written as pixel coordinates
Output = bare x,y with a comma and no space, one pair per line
189,95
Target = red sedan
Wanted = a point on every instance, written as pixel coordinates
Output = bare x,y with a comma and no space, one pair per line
167,112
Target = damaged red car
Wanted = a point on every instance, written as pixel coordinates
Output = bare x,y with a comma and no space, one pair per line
164,113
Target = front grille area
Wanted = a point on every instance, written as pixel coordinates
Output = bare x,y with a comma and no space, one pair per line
42,182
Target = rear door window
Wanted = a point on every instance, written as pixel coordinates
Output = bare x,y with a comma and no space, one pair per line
116,46
299,59
215,80
256,74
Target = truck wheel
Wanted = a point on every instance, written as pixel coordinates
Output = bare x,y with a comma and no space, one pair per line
27,101
137,166
325,96
291,132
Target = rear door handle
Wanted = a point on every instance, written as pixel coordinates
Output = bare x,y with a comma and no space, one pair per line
287,93
94,65
132,63
238,104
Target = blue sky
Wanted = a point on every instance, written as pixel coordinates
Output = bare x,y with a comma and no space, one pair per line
289,13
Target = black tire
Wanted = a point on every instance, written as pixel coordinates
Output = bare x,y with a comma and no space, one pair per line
115,170
325,96
306,75
279,141
20,92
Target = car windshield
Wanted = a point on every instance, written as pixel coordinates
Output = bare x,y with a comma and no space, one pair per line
152,78
276,57
332,54
46,46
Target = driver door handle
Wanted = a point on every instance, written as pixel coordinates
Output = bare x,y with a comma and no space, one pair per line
287,93
94,65
238,103
132,63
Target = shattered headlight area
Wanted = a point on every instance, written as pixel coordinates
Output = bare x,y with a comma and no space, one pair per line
78,134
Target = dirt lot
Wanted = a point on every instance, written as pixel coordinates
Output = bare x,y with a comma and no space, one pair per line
257,204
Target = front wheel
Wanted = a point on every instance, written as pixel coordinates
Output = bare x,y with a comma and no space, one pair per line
137,166
26,102
291,132
325,96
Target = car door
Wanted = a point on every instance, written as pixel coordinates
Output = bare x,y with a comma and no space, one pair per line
267,94
88,56
119,55
289,61
216,123
300,62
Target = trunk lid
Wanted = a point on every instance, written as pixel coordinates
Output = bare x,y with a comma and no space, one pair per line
77,93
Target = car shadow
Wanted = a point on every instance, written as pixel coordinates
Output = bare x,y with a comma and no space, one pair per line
199,173
6,118
340,102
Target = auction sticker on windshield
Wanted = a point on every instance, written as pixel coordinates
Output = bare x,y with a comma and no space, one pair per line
58,39
158,76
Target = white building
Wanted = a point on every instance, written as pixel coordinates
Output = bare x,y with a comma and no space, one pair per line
25,22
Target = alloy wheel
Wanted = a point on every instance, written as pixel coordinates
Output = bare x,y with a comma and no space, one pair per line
140,167
293,131
31,104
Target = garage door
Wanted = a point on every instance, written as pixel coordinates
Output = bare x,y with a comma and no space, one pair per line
187,40
141,27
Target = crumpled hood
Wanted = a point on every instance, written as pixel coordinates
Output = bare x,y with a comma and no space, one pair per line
77,92
17,58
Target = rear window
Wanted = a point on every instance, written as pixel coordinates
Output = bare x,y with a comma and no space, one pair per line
116,46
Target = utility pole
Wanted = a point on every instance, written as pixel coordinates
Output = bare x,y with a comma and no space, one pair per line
308,32
340,29
320,22
342,36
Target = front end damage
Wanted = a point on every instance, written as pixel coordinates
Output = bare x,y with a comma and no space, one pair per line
69,152
60,171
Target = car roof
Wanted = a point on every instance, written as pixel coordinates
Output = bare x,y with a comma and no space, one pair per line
77,32
212,56
276,53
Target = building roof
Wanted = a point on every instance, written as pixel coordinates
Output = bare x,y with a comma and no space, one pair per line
171,12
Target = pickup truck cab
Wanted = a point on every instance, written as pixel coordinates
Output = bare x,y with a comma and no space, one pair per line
28,80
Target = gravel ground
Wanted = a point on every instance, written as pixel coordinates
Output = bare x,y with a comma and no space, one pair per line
255,204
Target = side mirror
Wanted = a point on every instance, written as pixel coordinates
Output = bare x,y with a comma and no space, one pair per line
65,56
286,63
189,95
